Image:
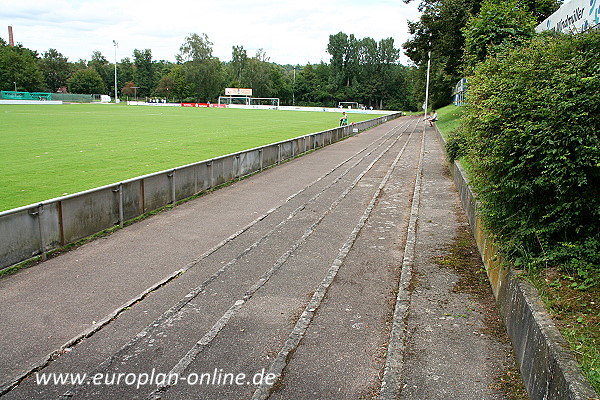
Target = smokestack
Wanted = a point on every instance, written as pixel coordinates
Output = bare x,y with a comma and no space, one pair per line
11,41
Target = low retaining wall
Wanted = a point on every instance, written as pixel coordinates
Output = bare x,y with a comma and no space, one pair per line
312,109
43,102
548,368
34,230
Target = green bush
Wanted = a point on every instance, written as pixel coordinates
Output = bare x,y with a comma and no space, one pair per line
532,130
456,145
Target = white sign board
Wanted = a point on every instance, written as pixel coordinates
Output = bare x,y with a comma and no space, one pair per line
573,16
238,92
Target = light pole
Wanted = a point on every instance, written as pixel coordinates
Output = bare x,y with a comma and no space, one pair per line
294,89
15,86
427,85
116,45
135,88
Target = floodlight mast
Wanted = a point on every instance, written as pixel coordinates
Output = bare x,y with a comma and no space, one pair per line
427,84
116,45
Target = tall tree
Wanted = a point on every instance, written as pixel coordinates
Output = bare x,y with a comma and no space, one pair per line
195,48
78,65
362,68
398,89
56,69
312,86
143,71
257,75
104,69
125,73
239,61
345,58
336,47
174,85
439,30
19,66
498,24
86,81
282,83
371,82
203,71
125,70
352,60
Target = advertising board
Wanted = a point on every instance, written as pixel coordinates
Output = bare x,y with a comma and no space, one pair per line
574,16
238,92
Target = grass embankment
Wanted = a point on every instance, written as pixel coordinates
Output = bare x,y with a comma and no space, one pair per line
48,151
448,119
575,311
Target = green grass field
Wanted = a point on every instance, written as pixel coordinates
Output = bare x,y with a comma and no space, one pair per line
48,151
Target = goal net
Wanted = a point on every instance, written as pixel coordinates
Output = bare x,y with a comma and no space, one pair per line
234,100
265,101
350,104
249,101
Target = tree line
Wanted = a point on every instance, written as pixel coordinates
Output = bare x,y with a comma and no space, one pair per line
361,69
456,34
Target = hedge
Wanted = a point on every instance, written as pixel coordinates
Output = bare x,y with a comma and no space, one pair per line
531,133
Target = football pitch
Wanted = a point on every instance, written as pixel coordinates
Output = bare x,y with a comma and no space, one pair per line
48,151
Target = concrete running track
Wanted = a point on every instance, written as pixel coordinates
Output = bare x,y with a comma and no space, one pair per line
315,279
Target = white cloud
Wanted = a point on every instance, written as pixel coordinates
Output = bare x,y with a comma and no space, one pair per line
288,30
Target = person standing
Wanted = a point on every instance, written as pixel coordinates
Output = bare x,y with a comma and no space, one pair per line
344,119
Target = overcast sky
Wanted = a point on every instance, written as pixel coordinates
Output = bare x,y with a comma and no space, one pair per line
290,31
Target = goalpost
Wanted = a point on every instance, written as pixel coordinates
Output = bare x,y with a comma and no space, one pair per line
227,100
349,104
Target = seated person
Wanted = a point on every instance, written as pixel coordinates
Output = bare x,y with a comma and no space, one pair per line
433,118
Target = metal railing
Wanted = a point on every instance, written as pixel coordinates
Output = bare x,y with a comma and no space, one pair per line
37,229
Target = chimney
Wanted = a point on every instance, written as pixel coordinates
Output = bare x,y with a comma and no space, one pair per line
11,41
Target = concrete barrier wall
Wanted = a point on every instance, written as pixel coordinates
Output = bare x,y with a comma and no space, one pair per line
548,368
45,102
33,230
